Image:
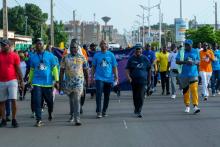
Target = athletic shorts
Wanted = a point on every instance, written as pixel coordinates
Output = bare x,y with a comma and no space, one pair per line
8,90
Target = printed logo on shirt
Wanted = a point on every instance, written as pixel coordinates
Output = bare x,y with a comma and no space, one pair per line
104,63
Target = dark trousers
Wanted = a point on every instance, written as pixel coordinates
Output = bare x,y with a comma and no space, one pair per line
138,91
215,81
165,81
101,87
32,100
38,93
22,93
8,108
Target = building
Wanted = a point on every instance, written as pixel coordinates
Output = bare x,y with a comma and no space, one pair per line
84,32
93,32
90,32
19,42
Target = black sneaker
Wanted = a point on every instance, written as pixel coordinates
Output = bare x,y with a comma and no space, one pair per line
78,123
104,114
168,93
14,123
8,119
39,123
205,98
3,123
139,115
99,115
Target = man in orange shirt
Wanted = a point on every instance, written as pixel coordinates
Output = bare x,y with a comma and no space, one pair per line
205,68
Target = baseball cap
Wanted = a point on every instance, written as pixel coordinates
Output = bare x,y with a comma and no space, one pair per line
188,41
38,40
5,42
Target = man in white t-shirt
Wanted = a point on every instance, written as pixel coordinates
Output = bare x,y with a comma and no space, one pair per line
173,69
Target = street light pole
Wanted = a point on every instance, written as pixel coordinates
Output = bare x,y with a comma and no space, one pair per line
51,24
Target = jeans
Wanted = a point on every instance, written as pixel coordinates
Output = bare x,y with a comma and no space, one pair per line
138,91
75,105
105,87
205,76
174,79
215,81
165,81
38,93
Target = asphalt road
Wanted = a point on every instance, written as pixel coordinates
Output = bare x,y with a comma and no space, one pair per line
164,124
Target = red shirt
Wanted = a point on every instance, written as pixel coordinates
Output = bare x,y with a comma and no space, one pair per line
7,66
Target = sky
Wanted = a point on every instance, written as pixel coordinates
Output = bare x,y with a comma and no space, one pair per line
124,13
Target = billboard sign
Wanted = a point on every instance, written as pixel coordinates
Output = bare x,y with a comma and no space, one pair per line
181,26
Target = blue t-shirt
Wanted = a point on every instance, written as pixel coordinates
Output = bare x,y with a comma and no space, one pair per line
138,67
150,55
104,63
189,71
43,64
216,63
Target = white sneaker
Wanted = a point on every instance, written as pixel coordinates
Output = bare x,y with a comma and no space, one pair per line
187,110
196,110
173,96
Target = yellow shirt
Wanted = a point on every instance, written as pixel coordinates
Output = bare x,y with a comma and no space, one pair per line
163,61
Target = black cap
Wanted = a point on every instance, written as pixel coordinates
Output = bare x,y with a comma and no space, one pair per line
5,42
92,45
38,40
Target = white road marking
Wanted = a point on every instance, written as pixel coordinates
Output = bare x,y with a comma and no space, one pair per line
125,124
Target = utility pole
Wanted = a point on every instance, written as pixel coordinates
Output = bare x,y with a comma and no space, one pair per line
216,16
51,24
143,29
160,24
181,9
5,20
26,18
74,24
149,27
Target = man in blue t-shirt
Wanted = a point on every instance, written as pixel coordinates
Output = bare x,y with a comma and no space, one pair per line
43,71
215,79
189,75
138,73
152,58
104,66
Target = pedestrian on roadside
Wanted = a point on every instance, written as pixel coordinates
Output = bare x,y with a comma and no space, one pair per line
215,79
162,60
91,53
10,79
152,58
138,72
104,66
205,69
173,69
43,72
189,75
75,67
23,67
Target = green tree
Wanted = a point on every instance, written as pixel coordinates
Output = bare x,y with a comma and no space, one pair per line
59,33
203,34
16,17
